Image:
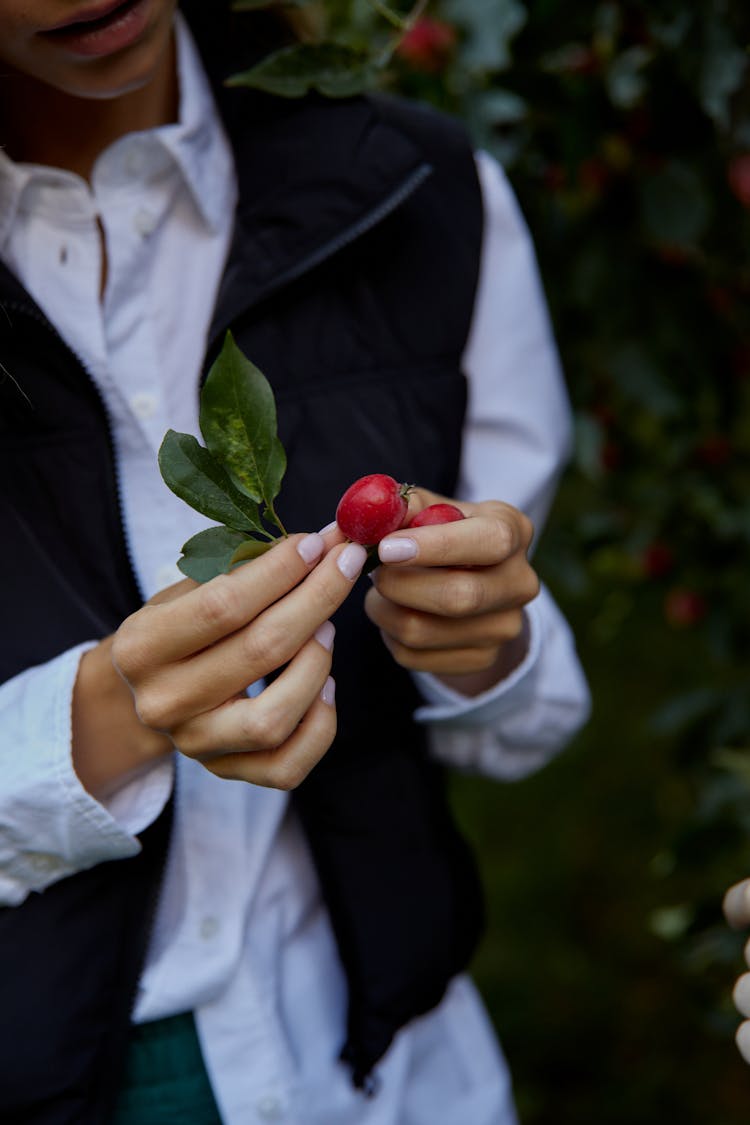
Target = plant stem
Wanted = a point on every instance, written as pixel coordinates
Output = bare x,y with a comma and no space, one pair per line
393,18
271,512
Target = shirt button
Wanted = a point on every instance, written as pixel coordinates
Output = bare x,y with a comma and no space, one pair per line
143,405
270,1108
167,575
144,222
209,927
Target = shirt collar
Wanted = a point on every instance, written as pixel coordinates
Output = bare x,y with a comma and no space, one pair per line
13,180
197,142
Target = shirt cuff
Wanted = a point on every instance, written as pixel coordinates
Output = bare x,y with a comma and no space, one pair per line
516,727
51,826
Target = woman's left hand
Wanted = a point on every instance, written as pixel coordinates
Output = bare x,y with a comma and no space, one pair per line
449,598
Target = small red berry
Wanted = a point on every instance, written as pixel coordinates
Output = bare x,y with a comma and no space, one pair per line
436,513
428,44
684,607
738,174
372,507
658,559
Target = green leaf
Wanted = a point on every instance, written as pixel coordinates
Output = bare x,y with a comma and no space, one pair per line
676,205
490,26
724,68
626,82
195,475
333,69
250,549
238,422
210,553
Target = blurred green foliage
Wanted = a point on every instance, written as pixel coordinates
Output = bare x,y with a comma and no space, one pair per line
624,126
625,130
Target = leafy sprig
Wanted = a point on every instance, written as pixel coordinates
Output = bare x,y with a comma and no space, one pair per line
239,469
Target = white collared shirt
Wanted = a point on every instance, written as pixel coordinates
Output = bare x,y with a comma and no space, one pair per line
242,936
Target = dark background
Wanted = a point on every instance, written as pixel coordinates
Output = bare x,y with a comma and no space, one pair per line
625,130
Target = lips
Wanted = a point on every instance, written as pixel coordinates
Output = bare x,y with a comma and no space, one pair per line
103,30
101,15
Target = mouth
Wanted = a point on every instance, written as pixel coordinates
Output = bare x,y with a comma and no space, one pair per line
101,30
90,21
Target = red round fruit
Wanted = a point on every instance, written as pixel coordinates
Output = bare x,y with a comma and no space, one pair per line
372,507
437,513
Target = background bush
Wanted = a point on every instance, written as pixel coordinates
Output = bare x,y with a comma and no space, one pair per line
625,129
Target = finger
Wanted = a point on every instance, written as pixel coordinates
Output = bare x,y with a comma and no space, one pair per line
442,662
491,533
269,719
170,630
180,691
287,766
741,994
736,905
742,1039
417,630
332,534
457,592
176,590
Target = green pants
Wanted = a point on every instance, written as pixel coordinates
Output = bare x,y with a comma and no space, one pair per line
165,1080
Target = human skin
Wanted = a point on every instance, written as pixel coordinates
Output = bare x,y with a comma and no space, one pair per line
453,608
737,912
450,598
61,108
182,662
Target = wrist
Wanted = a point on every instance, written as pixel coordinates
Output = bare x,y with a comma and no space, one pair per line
110,743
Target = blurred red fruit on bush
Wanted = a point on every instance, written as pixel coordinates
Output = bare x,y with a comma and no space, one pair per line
657,560
738,174
684,607
427,45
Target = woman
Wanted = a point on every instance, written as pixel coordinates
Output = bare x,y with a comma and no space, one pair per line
280,958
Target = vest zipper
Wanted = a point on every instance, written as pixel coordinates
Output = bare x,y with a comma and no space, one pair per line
36,314
391,203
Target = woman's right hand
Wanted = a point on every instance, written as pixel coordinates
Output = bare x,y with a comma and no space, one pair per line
188,655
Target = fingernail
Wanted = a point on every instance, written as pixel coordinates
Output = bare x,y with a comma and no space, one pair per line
311,548
328,694
325,633
328,527
397,550
351,560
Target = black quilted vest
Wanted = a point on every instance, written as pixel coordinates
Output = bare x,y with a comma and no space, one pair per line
350,283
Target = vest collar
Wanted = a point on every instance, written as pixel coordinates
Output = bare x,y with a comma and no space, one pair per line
313,176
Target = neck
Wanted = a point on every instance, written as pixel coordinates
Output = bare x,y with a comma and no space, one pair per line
42,132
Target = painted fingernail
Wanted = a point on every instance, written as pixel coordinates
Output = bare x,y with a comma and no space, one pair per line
325,633
328,694
397,550
351,560
328,527
311,548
